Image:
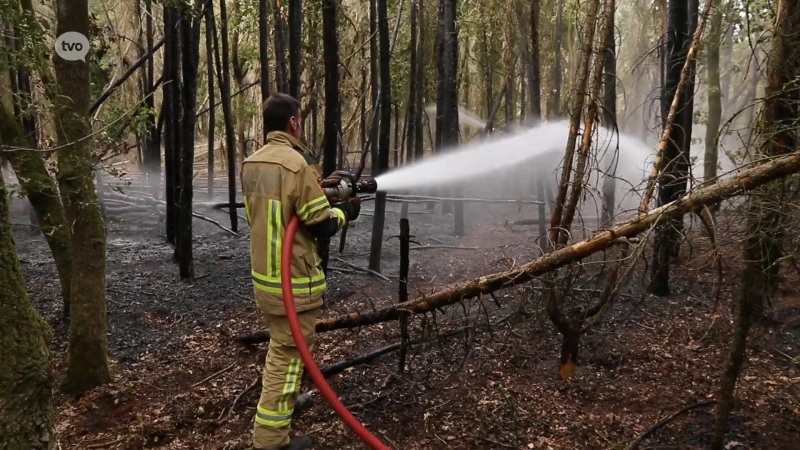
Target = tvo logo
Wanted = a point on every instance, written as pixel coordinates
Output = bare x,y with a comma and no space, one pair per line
72,46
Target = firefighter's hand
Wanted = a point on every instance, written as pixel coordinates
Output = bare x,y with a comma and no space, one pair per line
350,208
331,181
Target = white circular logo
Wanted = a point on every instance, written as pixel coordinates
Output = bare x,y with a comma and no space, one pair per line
72,46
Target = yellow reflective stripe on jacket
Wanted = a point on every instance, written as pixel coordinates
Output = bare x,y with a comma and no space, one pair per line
247,211
341,219
311,207
302,285
274,238
275,419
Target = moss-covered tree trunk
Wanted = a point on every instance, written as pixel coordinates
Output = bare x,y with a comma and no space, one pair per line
41,191
26,408
88,346
766,205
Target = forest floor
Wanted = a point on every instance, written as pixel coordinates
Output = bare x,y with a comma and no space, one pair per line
178,369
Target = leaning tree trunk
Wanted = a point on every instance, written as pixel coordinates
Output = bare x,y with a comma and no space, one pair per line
384,135
766,205
26,381
41,190
88,346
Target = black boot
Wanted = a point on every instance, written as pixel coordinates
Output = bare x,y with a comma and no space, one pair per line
299,443
303,403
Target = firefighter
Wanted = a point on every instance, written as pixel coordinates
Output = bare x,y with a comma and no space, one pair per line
278,181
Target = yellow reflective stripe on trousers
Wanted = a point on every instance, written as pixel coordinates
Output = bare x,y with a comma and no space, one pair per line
302,285
275,419
311,207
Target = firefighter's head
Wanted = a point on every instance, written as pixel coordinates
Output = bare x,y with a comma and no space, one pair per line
282,113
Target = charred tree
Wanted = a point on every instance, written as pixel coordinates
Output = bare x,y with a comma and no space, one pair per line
450,128
87,366
412,82
762,250
190,51
281,79
212,117
172,132
534,69
333,113
372,142
384,135
557,70
224,77
611,155
714,96
239,72
295,47
419,75
263,54
26,379
152,143
673,177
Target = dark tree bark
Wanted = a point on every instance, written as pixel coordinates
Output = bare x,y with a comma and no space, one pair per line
413,87
26,379
373,78
87,366
534,70
263,53
333,114
239,72
190,51
762,251
152,141
281,79
172,122
419,136
450,131
212,117
673,177
611,155
557,70
488,72
295,46
224,75
384,137
714,96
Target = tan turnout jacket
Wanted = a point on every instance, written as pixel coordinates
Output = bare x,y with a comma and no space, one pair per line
280,180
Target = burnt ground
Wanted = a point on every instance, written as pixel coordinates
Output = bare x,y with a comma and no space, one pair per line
494,388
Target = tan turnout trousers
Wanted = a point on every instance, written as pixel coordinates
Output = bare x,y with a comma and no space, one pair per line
279,181
281,380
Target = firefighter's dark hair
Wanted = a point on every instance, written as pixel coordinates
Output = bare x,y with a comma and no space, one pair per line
278,109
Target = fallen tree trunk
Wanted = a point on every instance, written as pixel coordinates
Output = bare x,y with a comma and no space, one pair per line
745,181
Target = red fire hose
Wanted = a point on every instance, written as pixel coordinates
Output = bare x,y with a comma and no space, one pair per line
305,352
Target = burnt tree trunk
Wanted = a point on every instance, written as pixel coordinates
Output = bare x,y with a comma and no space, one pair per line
450,131
87,366
714,96
26,379
419,136
152,150
384,135
190,51
534,69
333,113
171,124
557,70
212,117
263,53
611,155
765,222
224,76
239,73
281,80
295,47
673,177
372,142
413,87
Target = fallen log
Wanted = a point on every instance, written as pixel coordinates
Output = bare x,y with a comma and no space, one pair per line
771,170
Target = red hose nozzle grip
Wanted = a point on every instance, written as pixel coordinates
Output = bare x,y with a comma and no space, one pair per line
302,346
